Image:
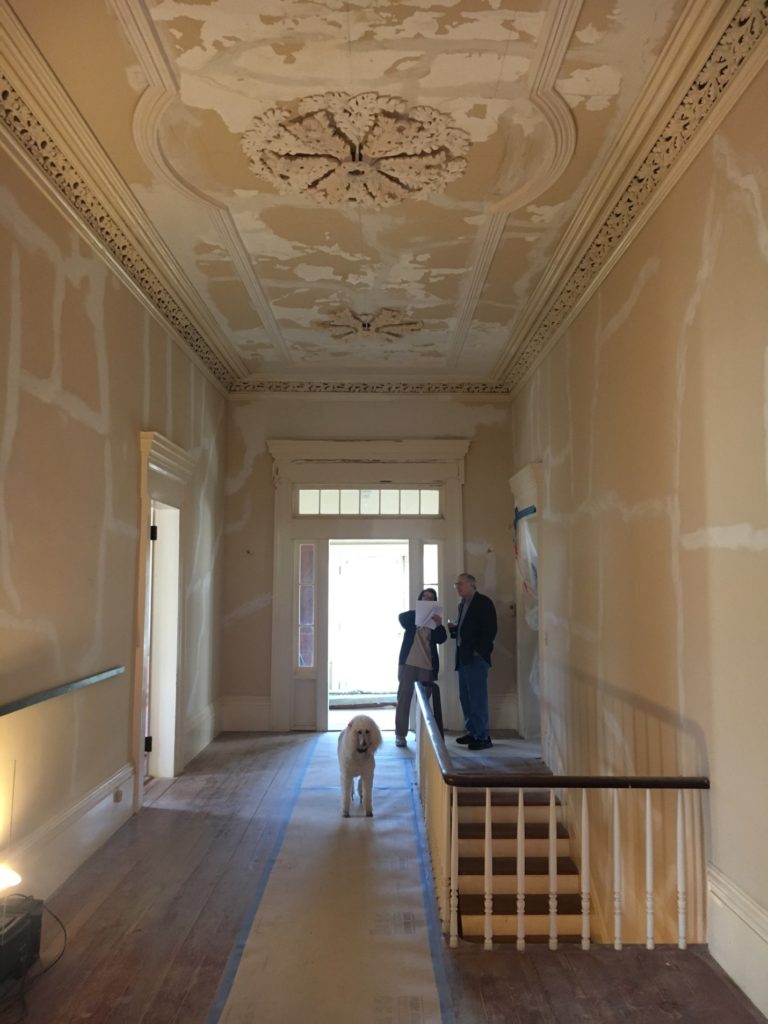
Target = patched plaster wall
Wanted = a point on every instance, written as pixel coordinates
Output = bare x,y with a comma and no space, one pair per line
651,420
83,369
247,601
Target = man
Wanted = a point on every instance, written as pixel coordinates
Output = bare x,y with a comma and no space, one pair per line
474,633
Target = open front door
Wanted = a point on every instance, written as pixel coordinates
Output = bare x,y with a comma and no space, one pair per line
309,656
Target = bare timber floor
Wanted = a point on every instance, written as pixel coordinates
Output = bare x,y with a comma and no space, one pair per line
153,916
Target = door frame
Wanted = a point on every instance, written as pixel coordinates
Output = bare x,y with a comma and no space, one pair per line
166,470
349,464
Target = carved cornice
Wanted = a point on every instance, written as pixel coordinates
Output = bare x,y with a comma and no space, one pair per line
295,387
742,34
60,172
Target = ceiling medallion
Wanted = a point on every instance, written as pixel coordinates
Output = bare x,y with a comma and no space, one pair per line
367,150
347,324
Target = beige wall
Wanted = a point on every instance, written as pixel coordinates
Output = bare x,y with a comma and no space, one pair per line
650,417
83,369
247,618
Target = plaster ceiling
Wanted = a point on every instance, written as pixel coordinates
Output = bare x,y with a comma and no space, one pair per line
528,102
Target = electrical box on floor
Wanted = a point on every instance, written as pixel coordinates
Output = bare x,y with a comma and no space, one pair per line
20,923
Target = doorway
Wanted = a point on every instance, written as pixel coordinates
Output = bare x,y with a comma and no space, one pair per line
163,599
368,585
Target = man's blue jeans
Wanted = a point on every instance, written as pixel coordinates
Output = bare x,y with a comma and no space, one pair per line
473,694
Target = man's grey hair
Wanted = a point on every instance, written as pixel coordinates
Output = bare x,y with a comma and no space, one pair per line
469,578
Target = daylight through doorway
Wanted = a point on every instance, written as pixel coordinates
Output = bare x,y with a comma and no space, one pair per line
367,590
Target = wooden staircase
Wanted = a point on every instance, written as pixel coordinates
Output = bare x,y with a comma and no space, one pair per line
504,831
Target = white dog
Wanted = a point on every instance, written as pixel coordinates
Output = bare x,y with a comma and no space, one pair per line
357,744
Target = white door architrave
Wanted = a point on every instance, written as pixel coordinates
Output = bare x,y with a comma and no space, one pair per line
299,696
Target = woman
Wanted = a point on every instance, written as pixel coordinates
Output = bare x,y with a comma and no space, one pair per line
419,662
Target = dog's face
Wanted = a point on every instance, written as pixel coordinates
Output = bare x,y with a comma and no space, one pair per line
364,740
361,735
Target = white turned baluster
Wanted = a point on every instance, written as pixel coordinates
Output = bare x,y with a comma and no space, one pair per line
682,940
552,848
520,857
616,872
649,937
585,896
488,906
453,935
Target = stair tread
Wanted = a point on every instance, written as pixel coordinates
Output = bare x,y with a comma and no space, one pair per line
506,904
508,866
508,830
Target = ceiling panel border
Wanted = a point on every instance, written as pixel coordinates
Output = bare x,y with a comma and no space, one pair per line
737,49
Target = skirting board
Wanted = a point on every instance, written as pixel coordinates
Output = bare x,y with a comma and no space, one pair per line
502,710
47,857
244,714
738,936
199,731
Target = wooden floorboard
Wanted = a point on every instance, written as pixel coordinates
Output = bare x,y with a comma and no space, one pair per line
154,915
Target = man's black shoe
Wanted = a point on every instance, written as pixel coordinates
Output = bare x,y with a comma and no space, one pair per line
480,744
465,739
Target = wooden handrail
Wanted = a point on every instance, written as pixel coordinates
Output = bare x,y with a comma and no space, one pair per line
57,691
453,776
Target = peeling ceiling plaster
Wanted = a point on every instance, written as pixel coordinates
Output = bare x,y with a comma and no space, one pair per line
544,89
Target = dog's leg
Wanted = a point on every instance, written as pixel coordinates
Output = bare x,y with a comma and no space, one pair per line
347,785
367,794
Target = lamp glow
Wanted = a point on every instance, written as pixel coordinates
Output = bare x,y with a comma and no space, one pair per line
8,877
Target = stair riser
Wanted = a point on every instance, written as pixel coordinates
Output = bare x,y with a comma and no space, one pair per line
507,884
508,847
535,924
509,814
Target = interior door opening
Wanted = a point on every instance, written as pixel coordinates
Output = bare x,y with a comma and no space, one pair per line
368,587
160,696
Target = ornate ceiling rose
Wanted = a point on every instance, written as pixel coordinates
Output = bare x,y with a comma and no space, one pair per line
388,322
367,150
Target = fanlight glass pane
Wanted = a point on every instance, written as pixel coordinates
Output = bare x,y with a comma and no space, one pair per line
409,503
430,502
350,502
329,503
309,502
390,503
369,502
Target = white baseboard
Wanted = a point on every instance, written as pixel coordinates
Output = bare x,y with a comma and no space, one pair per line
199,731
502,710
737,932
244,714
46,858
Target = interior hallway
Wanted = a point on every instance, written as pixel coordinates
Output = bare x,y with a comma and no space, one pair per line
157,918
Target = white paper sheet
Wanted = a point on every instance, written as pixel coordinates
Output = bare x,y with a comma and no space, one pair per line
426,611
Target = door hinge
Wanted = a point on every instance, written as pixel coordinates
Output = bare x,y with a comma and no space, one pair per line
147,744
153,532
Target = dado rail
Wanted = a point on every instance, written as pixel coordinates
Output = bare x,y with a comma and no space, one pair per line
526,855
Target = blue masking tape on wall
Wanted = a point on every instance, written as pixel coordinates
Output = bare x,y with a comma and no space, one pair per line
521,513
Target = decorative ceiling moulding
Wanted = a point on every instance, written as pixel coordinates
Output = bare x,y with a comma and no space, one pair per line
366,150
553,157
683,135
298,387
348,325
148,115
39,145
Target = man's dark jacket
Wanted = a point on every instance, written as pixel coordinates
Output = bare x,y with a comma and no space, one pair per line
478,630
